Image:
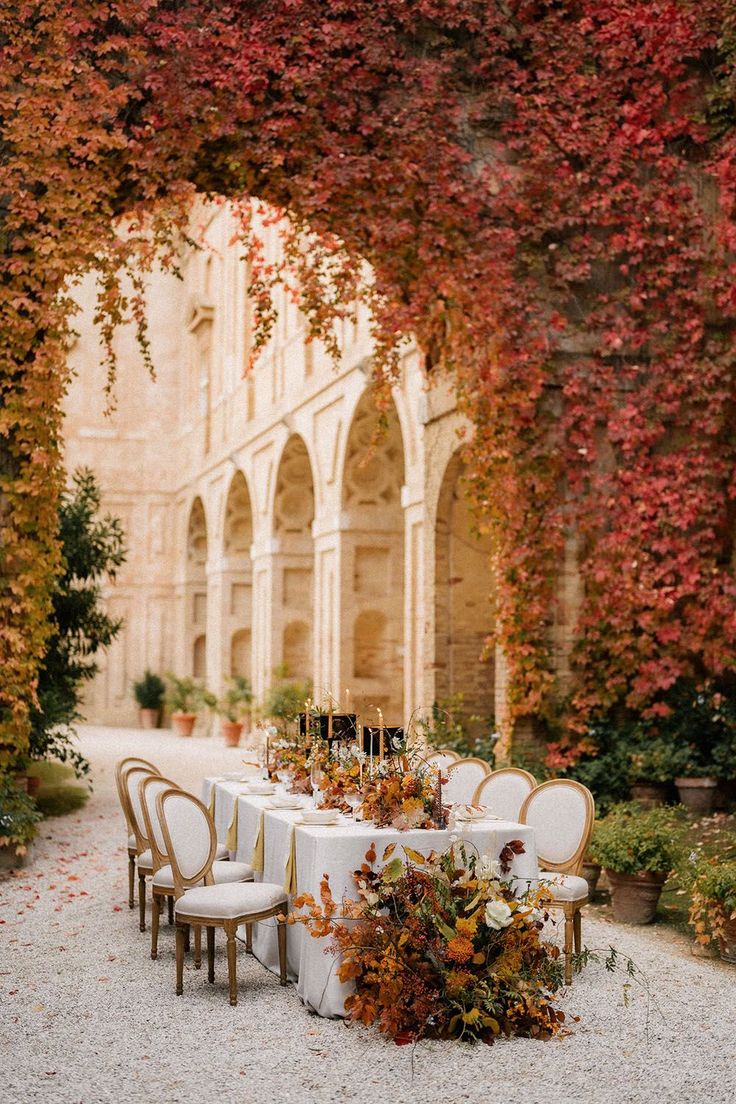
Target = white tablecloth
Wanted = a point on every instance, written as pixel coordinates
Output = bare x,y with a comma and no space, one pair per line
337,851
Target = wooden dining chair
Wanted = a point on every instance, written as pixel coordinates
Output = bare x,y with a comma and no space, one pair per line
463,779
442,758
162,882
120,768
562,814
504,791
189,836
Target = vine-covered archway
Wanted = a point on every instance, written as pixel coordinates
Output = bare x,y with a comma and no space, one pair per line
545,196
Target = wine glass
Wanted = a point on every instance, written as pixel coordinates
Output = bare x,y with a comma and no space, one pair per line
285,777
316,777
354,800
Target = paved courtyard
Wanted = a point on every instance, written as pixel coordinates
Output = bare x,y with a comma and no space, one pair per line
87,1017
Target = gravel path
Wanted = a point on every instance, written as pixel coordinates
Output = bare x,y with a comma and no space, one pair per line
87,1017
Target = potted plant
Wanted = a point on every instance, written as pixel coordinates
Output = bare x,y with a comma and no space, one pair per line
19,818
651,770
231,707
186,696
149,693
713,906
637,848
698,722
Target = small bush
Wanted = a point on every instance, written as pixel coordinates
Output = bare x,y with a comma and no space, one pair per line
631,839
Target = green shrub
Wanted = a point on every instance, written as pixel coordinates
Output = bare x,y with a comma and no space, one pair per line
149,691
631,839
237,696
55,801
19,816
188,695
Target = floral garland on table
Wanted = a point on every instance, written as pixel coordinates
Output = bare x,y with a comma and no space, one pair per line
441,947
292,754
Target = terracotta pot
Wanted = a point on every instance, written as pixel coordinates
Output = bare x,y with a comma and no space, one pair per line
649,794
727,942
183,723
591,873
149,718
10,861
231,730
634,897
33,785
697,794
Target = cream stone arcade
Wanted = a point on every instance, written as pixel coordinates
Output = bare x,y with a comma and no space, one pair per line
262,529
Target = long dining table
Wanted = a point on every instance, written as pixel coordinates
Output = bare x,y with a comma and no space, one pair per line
297,856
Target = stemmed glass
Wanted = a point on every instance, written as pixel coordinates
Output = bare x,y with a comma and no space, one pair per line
285,777
354,800
317,777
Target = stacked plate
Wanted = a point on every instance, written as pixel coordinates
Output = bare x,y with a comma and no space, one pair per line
259,788
286,801
320,816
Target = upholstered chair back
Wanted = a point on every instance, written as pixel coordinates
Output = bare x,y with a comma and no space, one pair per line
562,813
189,837
131,780
504,792
121,767
463,779
150,787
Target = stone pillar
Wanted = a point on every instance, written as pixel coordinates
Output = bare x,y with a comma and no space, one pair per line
412,500
331,669
263,658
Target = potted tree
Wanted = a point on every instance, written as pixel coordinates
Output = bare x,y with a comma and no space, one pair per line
185,697
231,707
713,906
637,848
149,693
19,818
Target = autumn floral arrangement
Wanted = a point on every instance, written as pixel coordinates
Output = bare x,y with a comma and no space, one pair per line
441,947
291,753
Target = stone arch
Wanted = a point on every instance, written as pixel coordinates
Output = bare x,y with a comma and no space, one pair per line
293,560
373,562
463,603
237,579
196,590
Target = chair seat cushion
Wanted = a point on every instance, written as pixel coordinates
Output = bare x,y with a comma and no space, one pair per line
226,902
222,872
566,887
145,862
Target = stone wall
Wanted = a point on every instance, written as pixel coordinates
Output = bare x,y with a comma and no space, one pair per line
265,525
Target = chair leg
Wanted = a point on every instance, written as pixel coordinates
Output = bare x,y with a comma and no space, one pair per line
282,947
249,939
568,947
142,901
231,970
210,953
180,936
186,938
156,906
578,930
131,881
197,946
171,910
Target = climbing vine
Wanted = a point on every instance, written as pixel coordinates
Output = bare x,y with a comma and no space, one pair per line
543,194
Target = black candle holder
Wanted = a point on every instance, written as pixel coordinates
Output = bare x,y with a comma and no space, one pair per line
372,739
344,727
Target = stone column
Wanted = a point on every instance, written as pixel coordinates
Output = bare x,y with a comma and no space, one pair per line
332,669
412,501
263,658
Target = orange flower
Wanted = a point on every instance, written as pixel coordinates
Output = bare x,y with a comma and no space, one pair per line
460,949
457,980
468,925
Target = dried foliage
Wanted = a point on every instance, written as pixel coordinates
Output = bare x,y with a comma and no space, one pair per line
441,947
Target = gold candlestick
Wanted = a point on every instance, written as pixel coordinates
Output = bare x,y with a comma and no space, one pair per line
380,735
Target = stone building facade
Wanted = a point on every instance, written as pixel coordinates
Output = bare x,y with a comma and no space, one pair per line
262,531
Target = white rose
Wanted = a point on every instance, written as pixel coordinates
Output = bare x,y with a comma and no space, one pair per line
487,868
498,915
